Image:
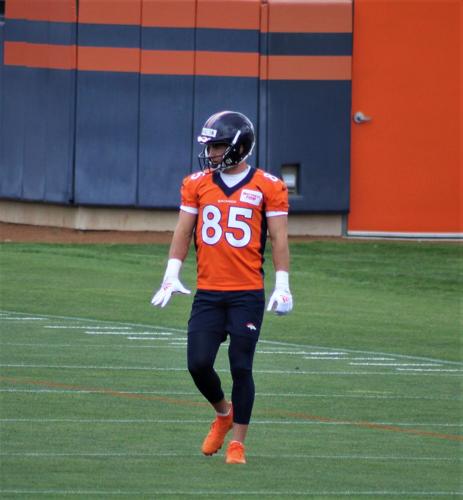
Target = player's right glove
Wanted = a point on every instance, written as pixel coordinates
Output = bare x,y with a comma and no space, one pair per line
170,284
281,300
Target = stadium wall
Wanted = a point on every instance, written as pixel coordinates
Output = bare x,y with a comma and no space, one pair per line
100,106
104,101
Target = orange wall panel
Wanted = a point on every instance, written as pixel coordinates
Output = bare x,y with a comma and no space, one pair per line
405,165
42,10
310,16
228,14
169,13
110,11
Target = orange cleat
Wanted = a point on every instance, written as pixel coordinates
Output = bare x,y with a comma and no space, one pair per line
235,453
216,436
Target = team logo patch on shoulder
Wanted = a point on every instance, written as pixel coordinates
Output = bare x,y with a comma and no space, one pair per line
251,197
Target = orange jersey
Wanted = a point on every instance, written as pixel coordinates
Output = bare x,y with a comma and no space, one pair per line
231,227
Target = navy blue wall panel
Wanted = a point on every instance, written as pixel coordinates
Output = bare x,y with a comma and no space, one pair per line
127,139
217,93
13,115
35,136
213,94
166,117
107,120
13,119
37,121
106,138
60,136
2,26
309,124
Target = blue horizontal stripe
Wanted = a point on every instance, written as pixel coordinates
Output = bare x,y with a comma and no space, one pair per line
109,35
223,40
203,39
44,32
307,44
168,38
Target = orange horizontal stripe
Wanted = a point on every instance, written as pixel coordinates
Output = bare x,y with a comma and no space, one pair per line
40,55
110,11
169,13
306,67
42,10
108,59
160,62
242,64
15,54
228,14
167,62
310,16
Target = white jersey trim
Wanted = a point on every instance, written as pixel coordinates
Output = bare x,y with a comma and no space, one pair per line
190,210
275,214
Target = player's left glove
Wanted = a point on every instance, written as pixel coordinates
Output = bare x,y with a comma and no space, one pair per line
281,300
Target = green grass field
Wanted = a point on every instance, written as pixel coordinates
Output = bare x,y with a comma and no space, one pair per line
358,390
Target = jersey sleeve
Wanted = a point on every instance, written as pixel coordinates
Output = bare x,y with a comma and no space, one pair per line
189,198
276,202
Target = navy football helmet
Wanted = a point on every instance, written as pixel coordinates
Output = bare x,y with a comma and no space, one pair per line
232,129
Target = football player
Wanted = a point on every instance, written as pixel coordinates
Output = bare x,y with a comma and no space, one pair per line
228,207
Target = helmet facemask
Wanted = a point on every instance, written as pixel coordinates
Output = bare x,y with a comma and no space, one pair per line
219,163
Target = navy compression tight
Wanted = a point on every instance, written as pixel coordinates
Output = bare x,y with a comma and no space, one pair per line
202,351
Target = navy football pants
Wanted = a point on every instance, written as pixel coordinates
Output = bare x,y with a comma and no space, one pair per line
214,316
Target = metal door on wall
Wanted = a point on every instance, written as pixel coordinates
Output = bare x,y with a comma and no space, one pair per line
405,178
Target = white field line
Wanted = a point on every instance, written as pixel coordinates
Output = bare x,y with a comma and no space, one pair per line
208,421
31,318
147,338
219,493
296,456
395,364
182,342
92,332
258,394
262,341
176,345
424,370
96,321
371,359
223,370
93,346
64,327
372,353
324,358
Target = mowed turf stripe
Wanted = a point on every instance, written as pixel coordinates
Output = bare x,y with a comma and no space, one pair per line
293,456
109,392
438,373
228,492
271,411
258,394
204,421
261,341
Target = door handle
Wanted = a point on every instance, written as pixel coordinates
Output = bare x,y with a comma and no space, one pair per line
359,117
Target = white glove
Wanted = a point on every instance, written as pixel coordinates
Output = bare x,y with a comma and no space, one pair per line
281,300
170,284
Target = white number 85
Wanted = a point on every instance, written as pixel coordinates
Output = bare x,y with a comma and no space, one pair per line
212,231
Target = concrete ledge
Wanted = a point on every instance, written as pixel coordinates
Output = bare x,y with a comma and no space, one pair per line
133,219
